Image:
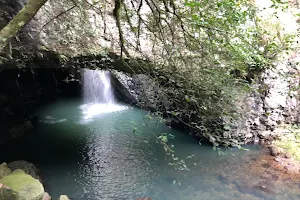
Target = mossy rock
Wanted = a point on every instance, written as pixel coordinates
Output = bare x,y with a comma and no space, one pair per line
4,170
27,167
23,184
8,194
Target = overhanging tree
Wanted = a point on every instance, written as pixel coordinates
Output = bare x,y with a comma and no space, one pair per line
19,21
208,51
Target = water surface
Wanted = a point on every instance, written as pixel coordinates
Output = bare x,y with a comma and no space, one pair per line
90,153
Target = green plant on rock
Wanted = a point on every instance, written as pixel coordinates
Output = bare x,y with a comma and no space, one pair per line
217,51
290,140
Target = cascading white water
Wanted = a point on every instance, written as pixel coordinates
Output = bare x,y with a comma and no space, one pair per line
98,94
97,87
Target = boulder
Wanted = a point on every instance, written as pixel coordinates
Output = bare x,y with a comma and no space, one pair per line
8,194
24,185
27,167
46,196
288,155
265,186
4,170
275,151
63,197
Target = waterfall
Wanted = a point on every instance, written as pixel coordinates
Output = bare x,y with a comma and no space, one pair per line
97,87
97,93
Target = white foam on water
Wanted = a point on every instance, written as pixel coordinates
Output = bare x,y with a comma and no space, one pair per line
52,120
94,109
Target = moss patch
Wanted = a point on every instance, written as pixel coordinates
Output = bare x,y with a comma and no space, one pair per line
25,185
4,170
7,194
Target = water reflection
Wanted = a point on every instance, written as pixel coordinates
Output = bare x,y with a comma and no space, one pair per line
116,156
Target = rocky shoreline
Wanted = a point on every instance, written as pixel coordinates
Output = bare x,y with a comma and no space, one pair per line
283,160
262,176
19,180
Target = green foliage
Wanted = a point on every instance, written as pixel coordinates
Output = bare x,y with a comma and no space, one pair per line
165,139
290,142
206,52
211,51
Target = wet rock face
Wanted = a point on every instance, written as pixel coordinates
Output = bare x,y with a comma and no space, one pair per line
261,111
139,89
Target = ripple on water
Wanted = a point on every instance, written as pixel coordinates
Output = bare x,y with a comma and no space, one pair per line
115,156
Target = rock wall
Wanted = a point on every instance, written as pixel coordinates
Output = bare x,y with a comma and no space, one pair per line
139,89
273,101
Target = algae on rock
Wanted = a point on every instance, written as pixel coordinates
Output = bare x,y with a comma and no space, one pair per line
4,170
8,194
27,167
23,184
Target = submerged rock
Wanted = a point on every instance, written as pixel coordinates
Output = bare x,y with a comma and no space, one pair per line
24,185
266,165
63,197
223,179
266,187
4,170
46,196
243,188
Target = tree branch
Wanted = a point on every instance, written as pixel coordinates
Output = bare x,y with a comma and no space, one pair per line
116,13
19,21
56,17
